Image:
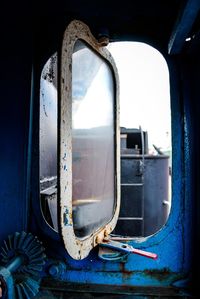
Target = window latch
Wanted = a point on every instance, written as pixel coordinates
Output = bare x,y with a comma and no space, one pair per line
113,250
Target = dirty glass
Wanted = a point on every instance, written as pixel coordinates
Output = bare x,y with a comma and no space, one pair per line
93,161
48,141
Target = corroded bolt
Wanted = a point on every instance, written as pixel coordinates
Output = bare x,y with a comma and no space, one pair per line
57,269
54,270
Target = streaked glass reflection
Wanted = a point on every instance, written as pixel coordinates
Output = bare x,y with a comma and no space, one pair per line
93,143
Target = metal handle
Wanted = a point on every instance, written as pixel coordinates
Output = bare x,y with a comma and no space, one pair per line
114,245
150,255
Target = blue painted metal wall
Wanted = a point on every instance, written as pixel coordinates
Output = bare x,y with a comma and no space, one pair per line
15,83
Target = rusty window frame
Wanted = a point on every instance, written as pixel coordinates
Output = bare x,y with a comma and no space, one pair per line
78,248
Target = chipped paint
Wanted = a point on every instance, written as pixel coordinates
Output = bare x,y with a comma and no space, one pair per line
67,217
77,248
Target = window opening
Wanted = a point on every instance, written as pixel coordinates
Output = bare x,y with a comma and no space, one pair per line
145,141
145,120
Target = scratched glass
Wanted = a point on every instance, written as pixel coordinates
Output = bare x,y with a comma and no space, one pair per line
48,141
93,135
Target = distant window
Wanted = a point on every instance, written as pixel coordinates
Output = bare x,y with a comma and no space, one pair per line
146,150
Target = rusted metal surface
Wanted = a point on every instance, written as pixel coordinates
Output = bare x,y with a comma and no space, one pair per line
78,248
108,291
160,275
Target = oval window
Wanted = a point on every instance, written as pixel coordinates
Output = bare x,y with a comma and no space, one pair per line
146,149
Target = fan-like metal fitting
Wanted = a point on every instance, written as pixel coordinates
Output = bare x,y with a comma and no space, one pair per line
23,255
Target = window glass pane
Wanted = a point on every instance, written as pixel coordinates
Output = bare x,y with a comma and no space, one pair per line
93,158
48,141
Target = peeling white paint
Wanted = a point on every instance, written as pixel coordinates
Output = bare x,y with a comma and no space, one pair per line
79,248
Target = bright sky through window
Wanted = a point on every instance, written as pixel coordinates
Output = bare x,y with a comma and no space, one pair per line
144,91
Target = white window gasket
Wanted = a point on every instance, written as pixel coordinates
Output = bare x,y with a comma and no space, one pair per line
80,248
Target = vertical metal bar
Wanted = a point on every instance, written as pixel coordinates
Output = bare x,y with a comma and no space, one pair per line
143,163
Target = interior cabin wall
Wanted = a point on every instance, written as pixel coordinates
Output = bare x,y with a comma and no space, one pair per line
191,80
175,239
17,63
196,157
15,86
188,71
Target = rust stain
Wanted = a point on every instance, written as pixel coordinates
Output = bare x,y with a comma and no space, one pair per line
125,273
158,274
